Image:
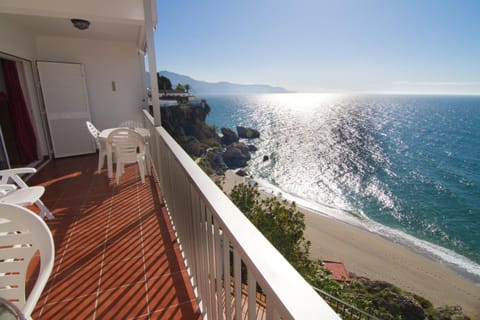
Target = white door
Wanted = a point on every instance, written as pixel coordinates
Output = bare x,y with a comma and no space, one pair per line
66,102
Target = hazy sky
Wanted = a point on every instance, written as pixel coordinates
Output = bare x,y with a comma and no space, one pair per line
324,46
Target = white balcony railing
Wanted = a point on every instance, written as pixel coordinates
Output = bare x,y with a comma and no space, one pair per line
211,229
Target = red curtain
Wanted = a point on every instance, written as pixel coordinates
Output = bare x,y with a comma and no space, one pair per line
27,143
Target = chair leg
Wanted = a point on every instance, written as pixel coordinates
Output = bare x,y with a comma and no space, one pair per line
101,160
118,172
44,212
100,164
141,167
148,162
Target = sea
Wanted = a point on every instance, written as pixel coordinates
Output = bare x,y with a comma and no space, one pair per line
406,167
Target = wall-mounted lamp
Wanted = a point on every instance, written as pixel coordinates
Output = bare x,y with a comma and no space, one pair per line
80,23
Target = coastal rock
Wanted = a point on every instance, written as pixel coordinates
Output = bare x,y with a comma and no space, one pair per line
193,146
236,155
213,162
403,305
451,312
178,132
241,173
186,121
247,133
386,296
252,148
229,136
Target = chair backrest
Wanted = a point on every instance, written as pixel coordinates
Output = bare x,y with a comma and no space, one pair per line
94,132
127,144
12,176
6,189
131,124
23,234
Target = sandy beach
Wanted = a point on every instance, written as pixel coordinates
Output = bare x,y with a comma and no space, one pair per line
370,255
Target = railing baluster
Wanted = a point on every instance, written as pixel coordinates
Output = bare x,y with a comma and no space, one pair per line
219,269
227,284
204,258
211,264
252,296
270,310
199,249
237,273
194,256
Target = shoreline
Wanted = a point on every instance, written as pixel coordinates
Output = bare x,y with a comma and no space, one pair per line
368,254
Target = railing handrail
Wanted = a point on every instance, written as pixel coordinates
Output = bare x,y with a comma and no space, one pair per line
296,298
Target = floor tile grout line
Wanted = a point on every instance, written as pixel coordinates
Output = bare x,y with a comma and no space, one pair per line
103,254
166,275
190,301
143,254
83,296
65,249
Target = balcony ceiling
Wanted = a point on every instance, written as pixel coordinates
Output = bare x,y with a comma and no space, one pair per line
62,27
116,20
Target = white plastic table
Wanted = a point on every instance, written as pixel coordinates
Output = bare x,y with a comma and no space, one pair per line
103,136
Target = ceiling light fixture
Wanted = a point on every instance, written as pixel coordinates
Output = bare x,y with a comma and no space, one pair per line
80,23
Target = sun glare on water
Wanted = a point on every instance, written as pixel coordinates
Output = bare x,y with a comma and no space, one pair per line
301,102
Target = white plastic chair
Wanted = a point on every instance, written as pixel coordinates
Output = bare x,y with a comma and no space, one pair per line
22,235
129,147
14,190
131,124
102,153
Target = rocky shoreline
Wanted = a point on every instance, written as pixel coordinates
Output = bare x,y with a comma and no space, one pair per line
215,153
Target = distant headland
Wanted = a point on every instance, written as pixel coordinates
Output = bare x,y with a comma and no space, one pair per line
198,87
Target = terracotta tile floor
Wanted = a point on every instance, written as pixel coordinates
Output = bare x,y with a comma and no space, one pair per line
116,254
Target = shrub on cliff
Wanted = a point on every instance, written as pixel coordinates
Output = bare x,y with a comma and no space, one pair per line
284,226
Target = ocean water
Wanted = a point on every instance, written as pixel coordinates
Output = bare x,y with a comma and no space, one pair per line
406,167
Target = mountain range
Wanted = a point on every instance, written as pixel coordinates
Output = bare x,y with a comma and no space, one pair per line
203,87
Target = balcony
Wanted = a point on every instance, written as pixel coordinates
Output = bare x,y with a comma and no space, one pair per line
129,251
116,254
161,250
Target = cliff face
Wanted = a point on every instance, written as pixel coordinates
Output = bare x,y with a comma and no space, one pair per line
186,124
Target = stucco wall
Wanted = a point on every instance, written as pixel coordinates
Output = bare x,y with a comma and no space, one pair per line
105,62
14,40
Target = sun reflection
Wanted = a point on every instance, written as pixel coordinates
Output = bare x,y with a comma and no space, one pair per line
302,102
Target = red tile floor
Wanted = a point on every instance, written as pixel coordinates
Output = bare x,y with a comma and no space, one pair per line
116,253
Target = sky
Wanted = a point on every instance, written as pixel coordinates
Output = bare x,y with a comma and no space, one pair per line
386,46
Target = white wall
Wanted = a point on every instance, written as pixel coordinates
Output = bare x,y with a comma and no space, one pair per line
105,61
15,40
